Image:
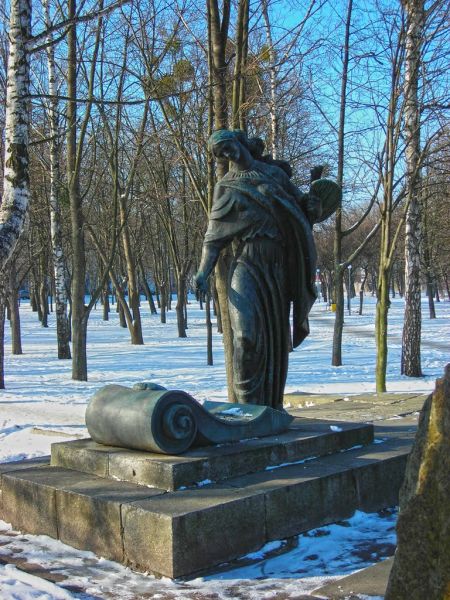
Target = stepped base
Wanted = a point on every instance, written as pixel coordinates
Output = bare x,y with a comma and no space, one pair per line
179,533
304,438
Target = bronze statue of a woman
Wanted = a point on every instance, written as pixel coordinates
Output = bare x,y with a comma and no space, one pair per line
269,221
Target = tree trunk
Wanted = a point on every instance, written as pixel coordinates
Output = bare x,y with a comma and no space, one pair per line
273,74
33,301
338,266
428,272
410,361
218,37
430,294
80,312
59,263
325,289
241,45
43,291
209,351
148,292
339,316
132,280
349,286
361,292
106,307
163,302
2,336
79,322
181,296
16,340
17,117
79,359
381,329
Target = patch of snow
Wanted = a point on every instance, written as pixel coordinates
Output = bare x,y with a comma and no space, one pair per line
18,585
290,464
309,561
204,482
41,399
234,412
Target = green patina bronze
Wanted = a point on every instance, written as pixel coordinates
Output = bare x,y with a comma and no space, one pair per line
151,418
268,221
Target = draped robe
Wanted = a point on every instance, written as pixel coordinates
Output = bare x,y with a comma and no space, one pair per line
274,266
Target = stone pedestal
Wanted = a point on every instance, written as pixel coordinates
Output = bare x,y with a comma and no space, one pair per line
177,516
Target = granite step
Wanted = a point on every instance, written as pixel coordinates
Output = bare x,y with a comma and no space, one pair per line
305,438
181,533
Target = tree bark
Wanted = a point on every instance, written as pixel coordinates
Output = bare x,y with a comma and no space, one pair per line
241,44
361,292
16,182
381,328
106,307
338,266
410,361
80,312
181,297
148,292
218,36
59,263
2,335
16,339
273,74
209,352
79,359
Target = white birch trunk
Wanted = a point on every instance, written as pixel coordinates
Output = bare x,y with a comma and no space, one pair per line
410,362
273,74
16,193
62,322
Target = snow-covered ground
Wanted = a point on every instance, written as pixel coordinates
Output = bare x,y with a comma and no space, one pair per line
42,405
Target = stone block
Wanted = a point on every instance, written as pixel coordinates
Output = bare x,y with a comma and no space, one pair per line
18,466
309,503
29,502
377,471
300,497
184,532
305,438
89,515
83,455
78,508
181,533
378,485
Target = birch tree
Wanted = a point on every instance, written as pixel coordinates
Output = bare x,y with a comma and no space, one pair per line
59,262
16,192
415,17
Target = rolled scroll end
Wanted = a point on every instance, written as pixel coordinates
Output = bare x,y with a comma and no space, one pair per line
174,426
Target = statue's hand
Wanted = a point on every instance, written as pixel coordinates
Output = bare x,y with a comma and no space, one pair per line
313,209
201,282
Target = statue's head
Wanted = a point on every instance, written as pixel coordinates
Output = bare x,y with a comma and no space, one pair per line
228,143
